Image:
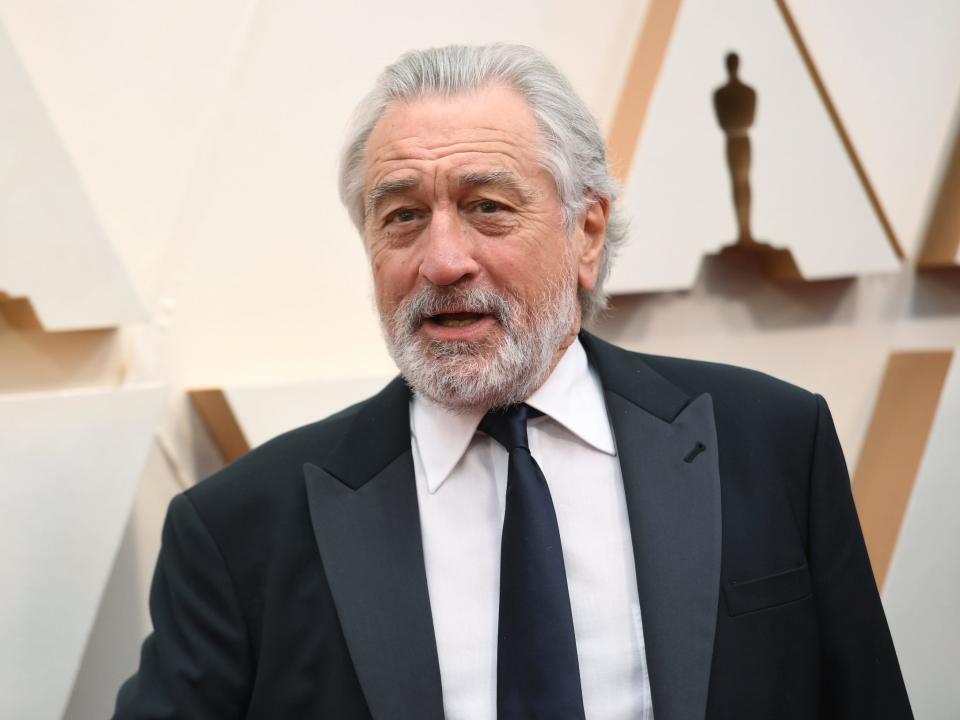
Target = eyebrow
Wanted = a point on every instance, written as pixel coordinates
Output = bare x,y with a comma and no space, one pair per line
503,179
381,191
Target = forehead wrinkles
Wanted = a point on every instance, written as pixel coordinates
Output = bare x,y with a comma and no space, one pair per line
441,158
441,143
412,133
439,178
404,128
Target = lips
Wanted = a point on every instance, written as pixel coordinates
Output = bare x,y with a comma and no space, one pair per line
454,313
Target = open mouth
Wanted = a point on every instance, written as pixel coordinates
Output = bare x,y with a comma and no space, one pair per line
456,319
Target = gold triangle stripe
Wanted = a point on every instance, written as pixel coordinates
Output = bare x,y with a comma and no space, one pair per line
841,130
648,54
942,242
19,312
894,446
220,422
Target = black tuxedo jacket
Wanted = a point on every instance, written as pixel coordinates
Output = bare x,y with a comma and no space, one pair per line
291,584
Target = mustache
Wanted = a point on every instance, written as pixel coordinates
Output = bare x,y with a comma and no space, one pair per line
430,301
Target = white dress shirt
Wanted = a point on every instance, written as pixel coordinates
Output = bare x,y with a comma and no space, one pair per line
461,480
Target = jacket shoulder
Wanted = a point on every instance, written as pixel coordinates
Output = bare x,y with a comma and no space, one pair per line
741,386
762,421
736,391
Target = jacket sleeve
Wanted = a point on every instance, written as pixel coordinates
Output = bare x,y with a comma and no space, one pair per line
860,674
197,661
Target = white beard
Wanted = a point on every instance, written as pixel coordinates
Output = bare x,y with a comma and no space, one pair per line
463,375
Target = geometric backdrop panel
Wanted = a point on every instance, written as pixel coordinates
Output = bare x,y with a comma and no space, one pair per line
134,90
894,447
923,584
53,249
241,417
805,194
71,464
893,72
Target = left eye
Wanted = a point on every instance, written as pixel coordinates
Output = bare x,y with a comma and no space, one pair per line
488,206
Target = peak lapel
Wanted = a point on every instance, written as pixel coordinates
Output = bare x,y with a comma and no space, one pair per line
668,457
363,506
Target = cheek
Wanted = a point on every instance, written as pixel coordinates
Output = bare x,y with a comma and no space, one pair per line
394,275
517,271
529,259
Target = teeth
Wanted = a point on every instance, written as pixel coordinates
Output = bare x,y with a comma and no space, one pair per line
455,322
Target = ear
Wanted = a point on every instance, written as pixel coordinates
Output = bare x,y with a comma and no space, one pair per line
592,230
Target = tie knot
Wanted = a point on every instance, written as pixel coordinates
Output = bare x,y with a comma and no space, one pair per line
508,426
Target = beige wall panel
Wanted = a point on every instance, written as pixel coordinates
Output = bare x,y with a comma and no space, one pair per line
923,584
132,89
265,412
242,417
113,651
893,71
71,463
53,249
806,192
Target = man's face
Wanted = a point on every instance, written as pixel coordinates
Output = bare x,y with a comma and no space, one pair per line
475,275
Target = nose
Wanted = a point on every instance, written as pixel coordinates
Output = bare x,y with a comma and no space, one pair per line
448,254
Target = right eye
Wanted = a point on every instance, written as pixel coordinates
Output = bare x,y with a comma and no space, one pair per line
403,215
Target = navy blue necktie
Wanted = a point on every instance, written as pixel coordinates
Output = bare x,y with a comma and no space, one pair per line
538,676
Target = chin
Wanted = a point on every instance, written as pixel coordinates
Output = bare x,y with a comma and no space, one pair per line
498,361
468,378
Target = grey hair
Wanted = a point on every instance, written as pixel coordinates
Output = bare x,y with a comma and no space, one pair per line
574,152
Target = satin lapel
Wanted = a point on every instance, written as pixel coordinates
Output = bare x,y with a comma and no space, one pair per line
667,446
368,531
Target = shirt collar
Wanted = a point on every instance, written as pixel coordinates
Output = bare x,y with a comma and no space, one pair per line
571,396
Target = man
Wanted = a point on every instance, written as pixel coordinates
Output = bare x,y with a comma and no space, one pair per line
664,538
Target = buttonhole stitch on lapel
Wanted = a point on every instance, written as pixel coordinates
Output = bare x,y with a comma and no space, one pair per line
692,455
